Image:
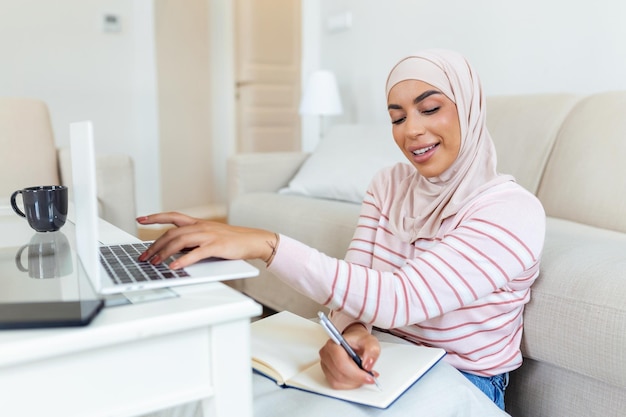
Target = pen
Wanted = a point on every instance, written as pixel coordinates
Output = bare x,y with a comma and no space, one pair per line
340,340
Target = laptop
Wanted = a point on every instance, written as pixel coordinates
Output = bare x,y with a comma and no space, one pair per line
114,269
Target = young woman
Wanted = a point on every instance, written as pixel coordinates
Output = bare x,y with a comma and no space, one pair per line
445,251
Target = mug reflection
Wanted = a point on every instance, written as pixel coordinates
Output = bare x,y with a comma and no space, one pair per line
48,256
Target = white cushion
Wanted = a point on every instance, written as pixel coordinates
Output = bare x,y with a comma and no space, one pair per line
344,162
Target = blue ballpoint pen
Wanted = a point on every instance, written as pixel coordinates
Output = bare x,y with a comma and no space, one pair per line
339,339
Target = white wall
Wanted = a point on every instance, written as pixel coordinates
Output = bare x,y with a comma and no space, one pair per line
311,56
517,46
223,122
58,52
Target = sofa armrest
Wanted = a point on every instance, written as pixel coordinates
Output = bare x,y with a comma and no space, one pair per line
262,172
115,180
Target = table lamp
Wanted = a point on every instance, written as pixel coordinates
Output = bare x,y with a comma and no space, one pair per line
321,96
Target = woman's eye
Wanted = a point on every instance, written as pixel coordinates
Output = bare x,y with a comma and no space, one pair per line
431,110
398,121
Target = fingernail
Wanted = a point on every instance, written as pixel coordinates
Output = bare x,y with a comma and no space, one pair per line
156,259
174,265
367,365
143,257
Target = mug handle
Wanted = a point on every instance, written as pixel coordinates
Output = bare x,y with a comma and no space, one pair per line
14,204
18,259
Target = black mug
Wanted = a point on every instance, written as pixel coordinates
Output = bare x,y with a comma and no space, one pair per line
45,206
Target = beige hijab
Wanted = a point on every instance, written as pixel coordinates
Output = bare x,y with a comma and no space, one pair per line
421,204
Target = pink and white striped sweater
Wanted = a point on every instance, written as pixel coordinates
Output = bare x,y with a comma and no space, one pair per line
463,291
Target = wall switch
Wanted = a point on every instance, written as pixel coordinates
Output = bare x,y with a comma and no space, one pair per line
111,22
339,22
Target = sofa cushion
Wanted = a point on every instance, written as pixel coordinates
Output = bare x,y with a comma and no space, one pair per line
543,389
524,129
584,179
345,161
581,284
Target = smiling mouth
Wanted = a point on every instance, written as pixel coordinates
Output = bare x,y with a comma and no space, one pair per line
422,151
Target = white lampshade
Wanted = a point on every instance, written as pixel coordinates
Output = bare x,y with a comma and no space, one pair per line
321,95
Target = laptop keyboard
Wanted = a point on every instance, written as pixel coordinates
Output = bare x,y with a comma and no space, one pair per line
120,261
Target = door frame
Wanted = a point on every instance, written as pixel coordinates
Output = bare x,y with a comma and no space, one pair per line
223,122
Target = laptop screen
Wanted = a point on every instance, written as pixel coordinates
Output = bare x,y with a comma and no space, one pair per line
85,199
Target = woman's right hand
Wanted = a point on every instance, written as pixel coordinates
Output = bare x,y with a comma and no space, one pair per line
340,370
205,239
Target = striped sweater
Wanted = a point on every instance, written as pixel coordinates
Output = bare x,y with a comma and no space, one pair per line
464,290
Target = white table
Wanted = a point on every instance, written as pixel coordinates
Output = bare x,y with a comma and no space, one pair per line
132,359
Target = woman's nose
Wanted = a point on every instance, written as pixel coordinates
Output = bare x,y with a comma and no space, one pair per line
414,126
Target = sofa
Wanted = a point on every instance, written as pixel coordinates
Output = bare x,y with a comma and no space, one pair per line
570,151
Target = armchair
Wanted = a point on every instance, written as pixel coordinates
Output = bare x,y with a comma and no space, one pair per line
30,157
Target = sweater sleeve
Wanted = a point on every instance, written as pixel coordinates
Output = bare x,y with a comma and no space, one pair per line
493,244
360,252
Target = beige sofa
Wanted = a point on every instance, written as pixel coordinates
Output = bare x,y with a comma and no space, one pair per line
571,152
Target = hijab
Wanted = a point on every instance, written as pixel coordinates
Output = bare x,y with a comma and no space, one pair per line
422,204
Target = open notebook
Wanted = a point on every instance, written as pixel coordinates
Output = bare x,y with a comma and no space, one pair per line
285,348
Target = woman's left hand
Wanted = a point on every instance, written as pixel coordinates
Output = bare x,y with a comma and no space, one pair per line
340,370
205,239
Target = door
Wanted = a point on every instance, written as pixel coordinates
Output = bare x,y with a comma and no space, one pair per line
267,39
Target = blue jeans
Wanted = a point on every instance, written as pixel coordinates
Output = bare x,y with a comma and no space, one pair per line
492,386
